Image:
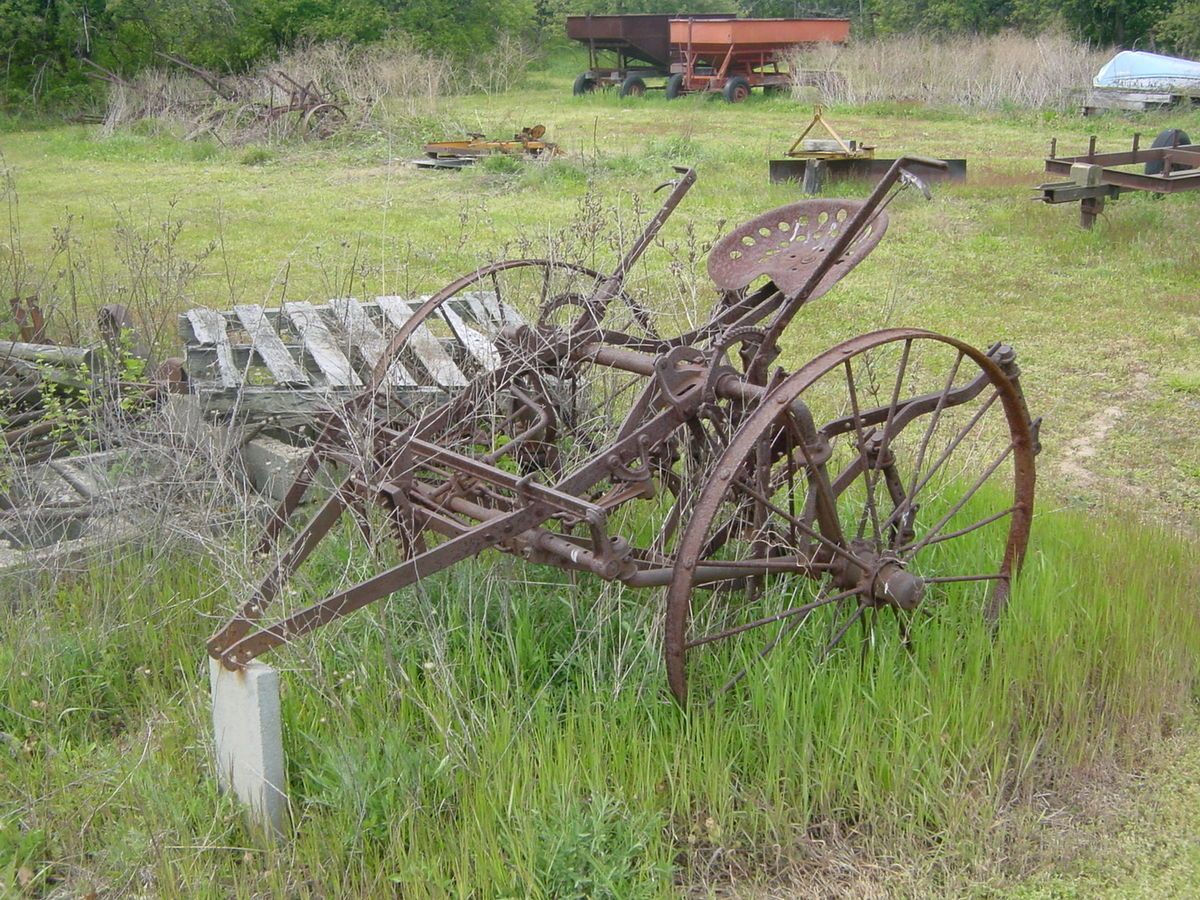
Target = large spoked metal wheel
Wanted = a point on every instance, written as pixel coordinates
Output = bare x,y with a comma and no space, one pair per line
893,472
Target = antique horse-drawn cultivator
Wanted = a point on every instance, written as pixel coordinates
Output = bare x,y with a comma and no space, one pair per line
892,471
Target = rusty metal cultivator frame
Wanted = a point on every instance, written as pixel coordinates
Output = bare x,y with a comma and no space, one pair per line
867,480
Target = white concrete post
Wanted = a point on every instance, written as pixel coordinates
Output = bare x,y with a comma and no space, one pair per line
248,736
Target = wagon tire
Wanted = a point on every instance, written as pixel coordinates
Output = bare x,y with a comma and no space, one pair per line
633,86
584,84
674,86
1169,137
736,89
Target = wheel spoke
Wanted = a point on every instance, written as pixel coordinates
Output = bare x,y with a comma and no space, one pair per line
933,420
785,629
872,471
801,526
767,620
946,454
979,482
951,579
951,535
841,632
871,510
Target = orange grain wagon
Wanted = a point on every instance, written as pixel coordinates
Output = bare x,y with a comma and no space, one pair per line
736,55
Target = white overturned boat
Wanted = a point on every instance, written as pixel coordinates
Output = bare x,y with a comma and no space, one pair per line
1135,80
1139,71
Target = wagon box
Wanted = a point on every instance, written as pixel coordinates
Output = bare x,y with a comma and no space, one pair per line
718,35
735,55
645,38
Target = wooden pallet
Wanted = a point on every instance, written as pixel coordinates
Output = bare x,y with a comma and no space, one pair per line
253,363
1100,100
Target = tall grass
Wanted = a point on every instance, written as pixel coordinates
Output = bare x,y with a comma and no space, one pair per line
490,735
971,71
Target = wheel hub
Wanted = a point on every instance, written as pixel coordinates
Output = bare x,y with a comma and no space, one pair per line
880,578
890,585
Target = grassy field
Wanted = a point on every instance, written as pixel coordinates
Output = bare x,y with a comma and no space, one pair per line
1105,322
485,740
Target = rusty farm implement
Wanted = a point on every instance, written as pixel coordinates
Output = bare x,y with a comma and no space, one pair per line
772,510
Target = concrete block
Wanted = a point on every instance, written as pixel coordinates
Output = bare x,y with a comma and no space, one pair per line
272,465
1086,175
248,736
183,418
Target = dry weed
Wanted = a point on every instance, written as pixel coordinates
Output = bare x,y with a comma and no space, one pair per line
1004,70
355,82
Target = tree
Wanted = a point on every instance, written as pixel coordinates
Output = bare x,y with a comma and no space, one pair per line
1121,22
1180,29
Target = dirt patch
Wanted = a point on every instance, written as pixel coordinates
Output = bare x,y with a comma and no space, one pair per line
1086,445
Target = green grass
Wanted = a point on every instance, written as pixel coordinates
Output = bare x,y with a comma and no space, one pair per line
502,737
472,739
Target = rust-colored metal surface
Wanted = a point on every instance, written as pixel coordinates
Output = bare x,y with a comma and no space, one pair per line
527,142
735,55
772,513
622,47
642,37
717,35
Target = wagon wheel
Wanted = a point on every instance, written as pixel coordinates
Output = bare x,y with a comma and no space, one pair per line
921,457
323,119
439,379
447,342
736,90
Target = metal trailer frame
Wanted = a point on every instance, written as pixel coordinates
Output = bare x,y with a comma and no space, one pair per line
735,56
1097,177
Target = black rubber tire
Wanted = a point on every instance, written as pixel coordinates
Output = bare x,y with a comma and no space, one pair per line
632,86
1169,137
584,84
736,89
674,86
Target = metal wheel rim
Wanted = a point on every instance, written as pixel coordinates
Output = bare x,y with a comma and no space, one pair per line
679,593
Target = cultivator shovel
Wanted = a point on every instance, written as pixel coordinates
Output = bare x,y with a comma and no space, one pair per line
773,510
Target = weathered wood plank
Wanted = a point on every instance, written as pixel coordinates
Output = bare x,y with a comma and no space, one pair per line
209,327
488,311
479,346
361,332
424,344
268,346
50,354
320,344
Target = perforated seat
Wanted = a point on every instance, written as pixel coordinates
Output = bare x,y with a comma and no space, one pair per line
788,243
